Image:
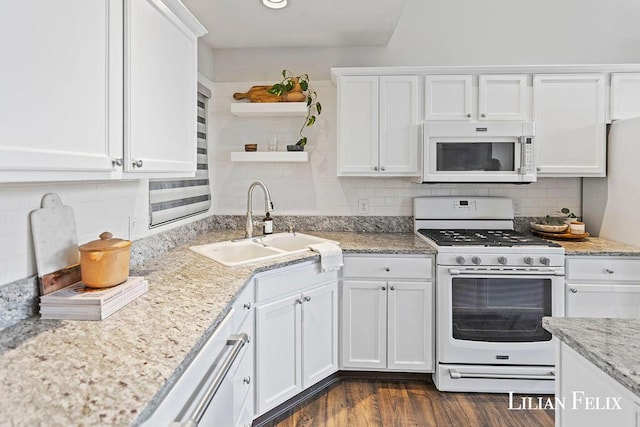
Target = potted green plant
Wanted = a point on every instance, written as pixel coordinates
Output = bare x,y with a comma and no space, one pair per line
291,83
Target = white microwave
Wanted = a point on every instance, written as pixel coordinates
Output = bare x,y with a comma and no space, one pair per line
478,152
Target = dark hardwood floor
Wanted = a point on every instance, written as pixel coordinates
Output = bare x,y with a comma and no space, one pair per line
364,402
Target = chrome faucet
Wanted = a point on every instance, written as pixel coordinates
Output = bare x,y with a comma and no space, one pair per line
268,207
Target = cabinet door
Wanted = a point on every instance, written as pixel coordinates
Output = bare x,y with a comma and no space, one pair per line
448,98
625,95
503,97
278,358
410,326
160,90
398,133
59,84
580,384
364,324
357,125
319,333
603,300
569,113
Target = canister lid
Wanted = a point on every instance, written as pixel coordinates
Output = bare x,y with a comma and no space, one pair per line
105,243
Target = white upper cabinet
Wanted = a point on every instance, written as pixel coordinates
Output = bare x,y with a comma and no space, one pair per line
161,82
378,126
60,85
448,98
97,85
499,97
569,113
625,95
503,97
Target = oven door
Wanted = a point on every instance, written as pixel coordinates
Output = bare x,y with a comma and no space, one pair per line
496,317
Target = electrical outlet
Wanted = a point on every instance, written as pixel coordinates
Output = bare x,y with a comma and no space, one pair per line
517,208
363,206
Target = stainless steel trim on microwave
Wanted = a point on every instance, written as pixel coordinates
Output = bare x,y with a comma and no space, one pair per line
237,342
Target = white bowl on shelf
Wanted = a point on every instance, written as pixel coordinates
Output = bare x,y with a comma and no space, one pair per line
549,228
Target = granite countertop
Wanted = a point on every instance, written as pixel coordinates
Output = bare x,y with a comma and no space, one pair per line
595,246
114,372
613,345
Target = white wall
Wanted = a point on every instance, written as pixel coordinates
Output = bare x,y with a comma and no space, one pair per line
466,32
313,188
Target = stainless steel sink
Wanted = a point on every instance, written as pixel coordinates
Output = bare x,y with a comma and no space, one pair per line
232,253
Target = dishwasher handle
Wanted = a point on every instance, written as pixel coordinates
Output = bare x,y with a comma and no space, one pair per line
237,342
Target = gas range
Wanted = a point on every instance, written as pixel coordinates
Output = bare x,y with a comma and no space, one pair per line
493,287
478,231
506,248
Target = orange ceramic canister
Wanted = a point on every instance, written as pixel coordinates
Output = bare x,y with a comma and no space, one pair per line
105,262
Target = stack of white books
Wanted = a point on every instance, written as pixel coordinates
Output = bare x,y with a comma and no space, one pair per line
79,302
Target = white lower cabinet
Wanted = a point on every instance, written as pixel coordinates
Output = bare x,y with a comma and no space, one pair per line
232,403
591,398
603,287
388,322
296,333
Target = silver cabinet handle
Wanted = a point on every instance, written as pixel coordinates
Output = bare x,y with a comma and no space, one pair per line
468,114
387,269
383,169
375,168
573,290
384,288
483,115
247,306
538,169
392,288
307,299
117,162
610,271
237,342
246,380
299,301
137,163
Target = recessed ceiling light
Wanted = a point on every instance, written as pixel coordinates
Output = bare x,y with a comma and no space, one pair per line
275,4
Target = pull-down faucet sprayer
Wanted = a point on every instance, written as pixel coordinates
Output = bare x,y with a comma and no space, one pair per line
268,206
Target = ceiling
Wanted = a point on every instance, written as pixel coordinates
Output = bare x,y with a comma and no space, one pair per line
236,24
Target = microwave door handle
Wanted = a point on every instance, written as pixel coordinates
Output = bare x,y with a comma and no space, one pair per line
523,155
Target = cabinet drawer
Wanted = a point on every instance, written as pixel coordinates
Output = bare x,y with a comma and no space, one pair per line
242,306
605,268
388,267
291,280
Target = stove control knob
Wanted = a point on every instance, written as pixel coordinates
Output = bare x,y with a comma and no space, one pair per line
545,260
502,260
460,260
528,260
476,260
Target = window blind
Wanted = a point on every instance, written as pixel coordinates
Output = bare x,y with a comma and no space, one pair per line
174,199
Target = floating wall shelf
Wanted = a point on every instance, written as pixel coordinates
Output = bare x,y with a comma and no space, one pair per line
270,156
269,109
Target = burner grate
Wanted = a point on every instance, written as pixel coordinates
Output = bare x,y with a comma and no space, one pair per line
502,238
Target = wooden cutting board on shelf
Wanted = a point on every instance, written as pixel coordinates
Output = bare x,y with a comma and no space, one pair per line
261,94
55,242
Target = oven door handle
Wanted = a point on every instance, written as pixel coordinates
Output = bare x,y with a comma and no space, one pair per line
550,376
511,272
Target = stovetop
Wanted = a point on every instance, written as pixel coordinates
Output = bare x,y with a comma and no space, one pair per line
486,238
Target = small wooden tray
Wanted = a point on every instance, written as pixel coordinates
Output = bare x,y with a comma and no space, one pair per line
561,236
